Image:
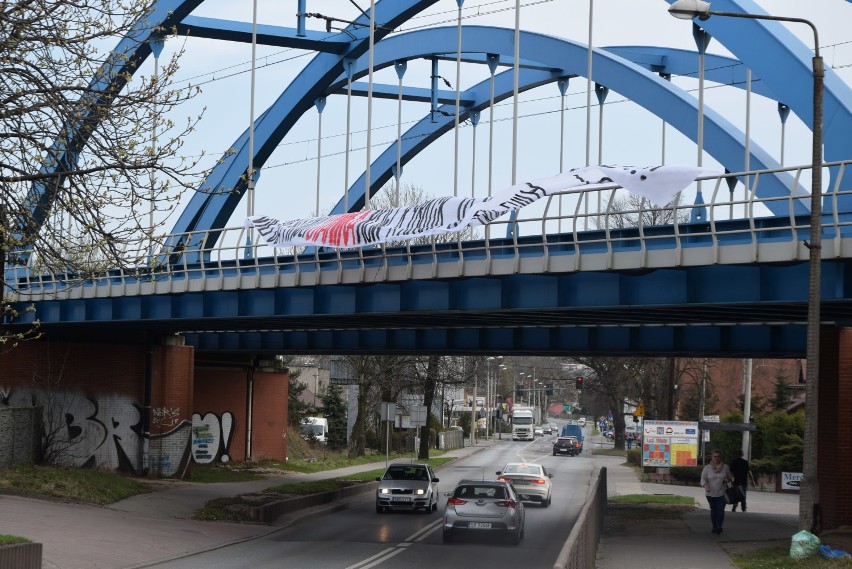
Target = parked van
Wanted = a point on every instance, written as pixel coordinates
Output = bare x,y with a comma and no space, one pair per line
315,428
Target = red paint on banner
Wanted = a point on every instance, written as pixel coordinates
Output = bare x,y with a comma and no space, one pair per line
337,230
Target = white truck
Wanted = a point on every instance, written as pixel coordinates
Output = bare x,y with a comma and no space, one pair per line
315,428
523,420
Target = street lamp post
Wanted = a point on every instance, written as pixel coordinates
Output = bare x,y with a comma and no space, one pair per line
809,508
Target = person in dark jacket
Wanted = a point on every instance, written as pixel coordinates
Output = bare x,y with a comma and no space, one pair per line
739,470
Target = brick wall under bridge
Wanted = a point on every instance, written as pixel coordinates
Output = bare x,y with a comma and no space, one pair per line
93,400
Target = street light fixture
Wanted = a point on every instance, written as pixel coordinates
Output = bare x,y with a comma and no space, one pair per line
809,504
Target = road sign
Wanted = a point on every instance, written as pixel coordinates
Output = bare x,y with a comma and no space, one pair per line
640,410
567,408
388,411
418,415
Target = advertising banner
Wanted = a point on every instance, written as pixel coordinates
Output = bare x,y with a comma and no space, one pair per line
670,443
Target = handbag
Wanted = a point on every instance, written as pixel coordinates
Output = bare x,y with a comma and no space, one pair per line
732,494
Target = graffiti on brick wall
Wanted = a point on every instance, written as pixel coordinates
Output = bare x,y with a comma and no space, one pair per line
165,417
211,437
103,431
169,452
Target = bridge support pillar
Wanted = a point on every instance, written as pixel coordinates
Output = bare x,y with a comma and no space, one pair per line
171,417
834,455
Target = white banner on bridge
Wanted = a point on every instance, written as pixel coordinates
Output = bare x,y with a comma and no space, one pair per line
451,214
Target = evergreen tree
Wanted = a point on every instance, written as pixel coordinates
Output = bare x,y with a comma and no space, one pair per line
297,409
781,397
334,408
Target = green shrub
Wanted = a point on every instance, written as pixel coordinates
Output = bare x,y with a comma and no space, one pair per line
372,440
689,474
634,456
779,442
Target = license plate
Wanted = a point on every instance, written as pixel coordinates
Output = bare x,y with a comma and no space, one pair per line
402,499
563,450
520,482
479,525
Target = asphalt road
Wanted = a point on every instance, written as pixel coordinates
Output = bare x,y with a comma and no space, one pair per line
359,538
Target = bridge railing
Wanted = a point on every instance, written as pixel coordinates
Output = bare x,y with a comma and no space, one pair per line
578,230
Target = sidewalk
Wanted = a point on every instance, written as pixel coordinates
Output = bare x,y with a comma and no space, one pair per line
771,520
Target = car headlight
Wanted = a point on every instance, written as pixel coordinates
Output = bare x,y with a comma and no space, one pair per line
384,491
420,491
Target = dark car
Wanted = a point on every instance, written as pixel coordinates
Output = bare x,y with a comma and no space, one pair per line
573,430
565,446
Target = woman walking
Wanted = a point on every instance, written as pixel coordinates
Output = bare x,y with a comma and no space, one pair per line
714,478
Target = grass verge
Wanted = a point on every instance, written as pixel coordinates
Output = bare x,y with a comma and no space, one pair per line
212,473
4,539
77,484
609,452
653,499
333,461
779,558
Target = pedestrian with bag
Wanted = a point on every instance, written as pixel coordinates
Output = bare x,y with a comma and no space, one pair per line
739,470
714,478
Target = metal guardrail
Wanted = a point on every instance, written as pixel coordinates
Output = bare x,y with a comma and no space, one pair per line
555,235
581,547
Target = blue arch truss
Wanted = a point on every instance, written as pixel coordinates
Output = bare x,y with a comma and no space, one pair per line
770,50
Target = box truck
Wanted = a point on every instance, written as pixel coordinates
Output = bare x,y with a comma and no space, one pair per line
523,420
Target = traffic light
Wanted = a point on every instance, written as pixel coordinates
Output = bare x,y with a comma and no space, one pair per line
548,389
579,383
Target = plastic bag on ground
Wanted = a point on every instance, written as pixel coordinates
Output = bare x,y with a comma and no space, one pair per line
804,544
830,553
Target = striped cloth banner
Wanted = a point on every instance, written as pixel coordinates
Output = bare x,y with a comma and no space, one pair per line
660,184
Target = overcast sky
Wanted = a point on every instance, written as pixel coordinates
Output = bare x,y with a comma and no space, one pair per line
631,135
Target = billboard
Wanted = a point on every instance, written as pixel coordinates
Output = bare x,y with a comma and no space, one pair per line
670,443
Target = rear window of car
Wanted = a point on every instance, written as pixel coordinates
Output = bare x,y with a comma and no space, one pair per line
522,469
474,492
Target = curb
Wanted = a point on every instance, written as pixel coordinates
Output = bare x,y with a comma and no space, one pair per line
271,512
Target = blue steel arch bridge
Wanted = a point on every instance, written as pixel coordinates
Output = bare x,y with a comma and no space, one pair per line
719,275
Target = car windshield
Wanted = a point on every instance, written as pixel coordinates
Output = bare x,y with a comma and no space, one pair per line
474,492
310,429
522,420
406,473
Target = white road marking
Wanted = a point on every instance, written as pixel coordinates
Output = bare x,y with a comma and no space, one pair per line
390,553
386,554
426,532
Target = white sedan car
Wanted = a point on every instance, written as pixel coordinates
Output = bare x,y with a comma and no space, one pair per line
531,481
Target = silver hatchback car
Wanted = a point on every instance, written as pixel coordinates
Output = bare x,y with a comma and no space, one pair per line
407,487
484,507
